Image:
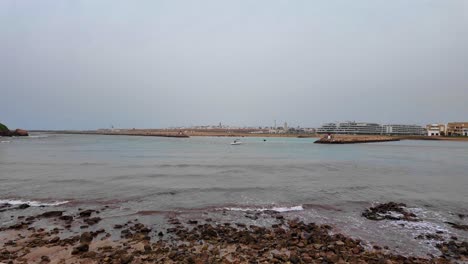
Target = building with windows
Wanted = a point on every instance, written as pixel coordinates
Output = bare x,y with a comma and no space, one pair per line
435,130
397,129
465,132
456,128
356,128
351,128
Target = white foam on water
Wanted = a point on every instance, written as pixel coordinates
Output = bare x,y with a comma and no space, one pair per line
32,203
38,136
5,141
276,209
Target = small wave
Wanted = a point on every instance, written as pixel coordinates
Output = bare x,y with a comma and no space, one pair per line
32,203
5,141
276,209
40,136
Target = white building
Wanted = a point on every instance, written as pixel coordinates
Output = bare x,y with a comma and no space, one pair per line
435,130
371,129
350,128
465,132
397,129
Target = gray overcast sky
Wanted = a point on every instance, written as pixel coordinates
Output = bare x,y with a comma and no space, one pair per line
89,64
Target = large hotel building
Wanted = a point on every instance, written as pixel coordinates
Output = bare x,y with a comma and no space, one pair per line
371,129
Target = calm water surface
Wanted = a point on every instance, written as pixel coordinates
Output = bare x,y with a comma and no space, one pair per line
204,175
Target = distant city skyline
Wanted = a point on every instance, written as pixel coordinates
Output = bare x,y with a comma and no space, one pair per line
157,64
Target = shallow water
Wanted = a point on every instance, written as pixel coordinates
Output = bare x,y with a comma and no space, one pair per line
201,176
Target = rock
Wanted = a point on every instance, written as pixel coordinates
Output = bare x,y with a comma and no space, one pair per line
23,206
458,226
66,218
430,237
125,259
389,211
80,249
92,221
20,133
52,214
147,248
86,238
45,259
339,243
294,259
86,213
54,240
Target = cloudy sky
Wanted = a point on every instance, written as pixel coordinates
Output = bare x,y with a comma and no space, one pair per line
89,64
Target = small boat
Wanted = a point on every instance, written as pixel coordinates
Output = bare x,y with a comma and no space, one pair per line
236,142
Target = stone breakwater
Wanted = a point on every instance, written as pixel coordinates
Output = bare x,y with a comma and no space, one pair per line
130,132
46,238
353,139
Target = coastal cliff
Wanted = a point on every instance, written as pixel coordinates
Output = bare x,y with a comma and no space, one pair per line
5,132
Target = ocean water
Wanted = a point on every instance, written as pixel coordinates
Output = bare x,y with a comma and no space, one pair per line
198,177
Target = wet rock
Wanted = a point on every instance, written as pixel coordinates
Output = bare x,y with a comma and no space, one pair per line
458,226
80,249
92,221
86,213
23,206
454,249
52,214
389,211
54,240
126,233
86,238
118,226
67,218
430,237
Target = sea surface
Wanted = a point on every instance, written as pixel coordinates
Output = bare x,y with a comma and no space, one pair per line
198,177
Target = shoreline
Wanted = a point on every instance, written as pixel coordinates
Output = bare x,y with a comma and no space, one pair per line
51,236
339,138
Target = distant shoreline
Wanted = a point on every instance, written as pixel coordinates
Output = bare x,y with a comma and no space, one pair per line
247,133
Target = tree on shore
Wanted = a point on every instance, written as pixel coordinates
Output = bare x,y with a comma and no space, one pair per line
4,128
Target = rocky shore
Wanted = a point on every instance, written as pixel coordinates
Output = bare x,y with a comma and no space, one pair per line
5,132
48,237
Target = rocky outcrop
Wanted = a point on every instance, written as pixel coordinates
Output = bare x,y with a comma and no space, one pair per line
389,211
5,132
20,133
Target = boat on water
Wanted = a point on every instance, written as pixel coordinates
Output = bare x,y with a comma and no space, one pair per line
236,142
